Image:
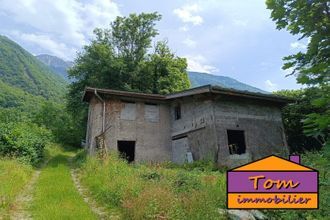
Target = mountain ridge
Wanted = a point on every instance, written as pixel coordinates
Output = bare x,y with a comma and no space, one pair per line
196,78
22,73
200,79
56,64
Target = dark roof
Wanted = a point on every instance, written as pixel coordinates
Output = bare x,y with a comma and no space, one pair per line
89,92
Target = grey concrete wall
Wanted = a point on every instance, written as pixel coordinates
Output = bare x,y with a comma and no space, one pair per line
262,125
140,124
204,123
197,124
94,124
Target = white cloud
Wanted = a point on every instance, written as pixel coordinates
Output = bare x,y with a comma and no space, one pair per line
68,21
187,14
198,64
184,29
56,48
190,43
270,86
298,45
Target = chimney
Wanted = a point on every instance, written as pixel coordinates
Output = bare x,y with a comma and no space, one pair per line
295,159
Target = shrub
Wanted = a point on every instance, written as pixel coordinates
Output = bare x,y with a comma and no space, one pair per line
23,140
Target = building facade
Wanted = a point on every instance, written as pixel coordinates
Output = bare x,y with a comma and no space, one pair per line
227,126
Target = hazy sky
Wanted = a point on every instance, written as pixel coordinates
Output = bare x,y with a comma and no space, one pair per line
234,38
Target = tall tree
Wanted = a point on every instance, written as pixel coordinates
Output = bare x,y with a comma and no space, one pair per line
122,57
166,72
132,36
310,19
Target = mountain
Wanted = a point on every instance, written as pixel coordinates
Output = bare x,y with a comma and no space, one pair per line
200,79
56,64
23,76
196,78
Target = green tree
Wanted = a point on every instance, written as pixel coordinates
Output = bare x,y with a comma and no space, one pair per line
310,19
122,58
56,119
293,117
132,36
163,72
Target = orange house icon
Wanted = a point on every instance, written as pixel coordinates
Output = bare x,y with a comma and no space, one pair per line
272,183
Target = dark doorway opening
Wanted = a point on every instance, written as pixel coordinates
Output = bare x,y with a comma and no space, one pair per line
236,142
127,150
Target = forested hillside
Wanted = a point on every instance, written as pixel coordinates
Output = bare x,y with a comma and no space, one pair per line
13,97
21,72
32,105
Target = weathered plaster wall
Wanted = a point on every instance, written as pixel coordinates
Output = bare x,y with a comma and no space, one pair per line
204,123
137,123
262,125
197,124
94,125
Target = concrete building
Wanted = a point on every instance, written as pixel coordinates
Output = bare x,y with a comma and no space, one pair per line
227,126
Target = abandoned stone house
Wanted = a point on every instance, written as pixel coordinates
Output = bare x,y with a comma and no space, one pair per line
227,126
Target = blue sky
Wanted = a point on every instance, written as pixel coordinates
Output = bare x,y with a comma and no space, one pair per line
233,38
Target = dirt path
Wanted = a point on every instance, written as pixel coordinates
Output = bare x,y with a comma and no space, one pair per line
38,199
55,195
101,212
19,210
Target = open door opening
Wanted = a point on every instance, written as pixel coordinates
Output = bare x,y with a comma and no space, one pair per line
127,150
236,142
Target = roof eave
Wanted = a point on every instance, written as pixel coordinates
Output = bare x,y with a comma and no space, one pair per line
246,94
110,92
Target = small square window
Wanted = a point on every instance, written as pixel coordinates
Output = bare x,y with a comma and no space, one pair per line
177,112
151,112
128,111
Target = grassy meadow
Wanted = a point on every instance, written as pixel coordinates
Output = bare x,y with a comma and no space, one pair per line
135,191
168,191
154,191
14,175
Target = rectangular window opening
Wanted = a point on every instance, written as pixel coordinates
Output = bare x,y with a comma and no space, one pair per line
236,141
177,112
151,112
127,150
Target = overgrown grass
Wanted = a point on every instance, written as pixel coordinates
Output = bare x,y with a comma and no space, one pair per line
168,191
14,175
154,191
55,195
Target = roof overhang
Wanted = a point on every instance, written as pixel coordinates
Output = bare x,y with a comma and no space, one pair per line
207,89
90,92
